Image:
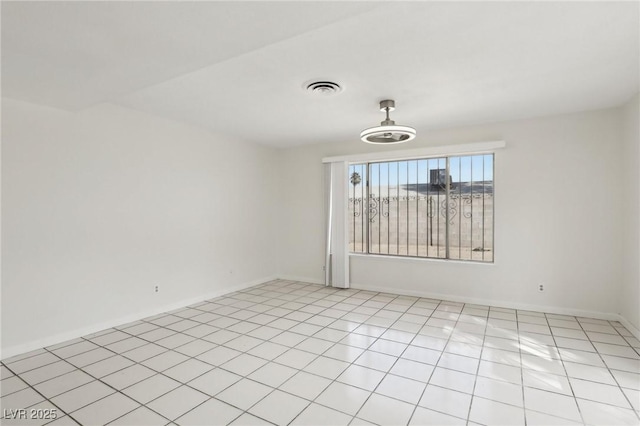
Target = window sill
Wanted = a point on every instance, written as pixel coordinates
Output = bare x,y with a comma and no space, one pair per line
421,259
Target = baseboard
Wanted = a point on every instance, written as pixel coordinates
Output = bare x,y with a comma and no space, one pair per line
301,279
74,334
492,302
63,337
632,328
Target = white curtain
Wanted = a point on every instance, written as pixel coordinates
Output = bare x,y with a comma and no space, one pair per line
336,195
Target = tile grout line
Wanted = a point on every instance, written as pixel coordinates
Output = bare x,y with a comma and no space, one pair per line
326,326
475,380
245,377
118,391
104,397
98,379
354,416
436,364
566,373
45,399
394,363
243,411
612,376
332,381
524,402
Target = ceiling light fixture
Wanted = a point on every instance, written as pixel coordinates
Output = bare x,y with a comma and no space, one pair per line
388,132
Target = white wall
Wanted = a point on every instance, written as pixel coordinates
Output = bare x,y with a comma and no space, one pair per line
630,295
100,206
558,208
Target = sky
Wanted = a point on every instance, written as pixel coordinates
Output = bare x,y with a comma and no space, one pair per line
462,169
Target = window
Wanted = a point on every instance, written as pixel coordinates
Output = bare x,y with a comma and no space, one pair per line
415,208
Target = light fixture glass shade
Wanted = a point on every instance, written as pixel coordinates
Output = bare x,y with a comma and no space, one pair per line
387,135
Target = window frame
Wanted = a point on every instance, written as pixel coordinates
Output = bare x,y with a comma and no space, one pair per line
447,157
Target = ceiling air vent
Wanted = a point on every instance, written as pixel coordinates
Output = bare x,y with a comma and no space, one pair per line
324,88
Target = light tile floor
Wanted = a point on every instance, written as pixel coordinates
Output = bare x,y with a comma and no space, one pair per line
292,353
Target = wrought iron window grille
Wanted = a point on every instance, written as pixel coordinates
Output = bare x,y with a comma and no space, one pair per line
410,208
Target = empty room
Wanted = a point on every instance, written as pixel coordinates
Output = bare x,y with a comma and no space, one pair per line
320,213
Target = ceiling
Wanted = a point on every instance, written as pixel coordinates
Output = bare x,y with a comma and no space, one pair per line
238,68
